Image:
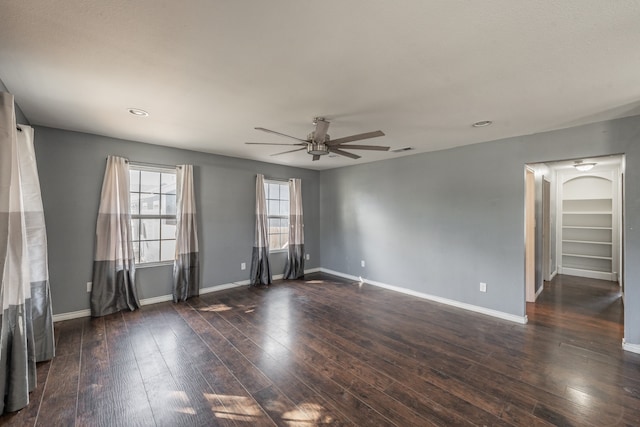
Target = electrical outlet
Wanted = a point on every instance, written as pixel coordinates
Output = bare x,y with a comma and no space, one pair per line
362,263
483,287
89,285
307,257
243,266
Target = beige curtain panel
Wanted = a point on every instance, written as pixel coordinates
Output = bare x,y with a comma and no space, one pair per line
294,268
260,270
26,327
114,270
186,267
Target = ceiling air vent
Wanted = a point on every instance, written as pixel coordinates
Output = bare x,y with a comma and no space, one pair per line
403,149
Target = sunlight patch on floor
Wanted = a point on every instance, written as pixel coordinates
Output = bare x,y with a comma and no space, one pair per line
238,408
216,308
307,414
181,396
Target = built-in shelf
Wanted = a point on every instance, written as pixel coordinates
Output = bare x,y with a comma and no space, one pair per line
587,242
586,213
587,221
587,256
587,228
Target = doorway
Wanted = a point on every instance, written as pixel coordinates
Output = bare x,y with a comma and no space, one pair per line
577,225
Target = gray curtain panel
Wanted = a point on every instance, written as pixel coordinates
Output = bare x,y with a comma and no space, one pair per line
17,350
114,270
186,267
294,268
260,271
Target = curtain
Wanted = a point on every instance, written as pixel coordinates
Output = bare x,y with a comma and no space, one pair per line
260,271
41,312
294,268
186,267
17,351
113,266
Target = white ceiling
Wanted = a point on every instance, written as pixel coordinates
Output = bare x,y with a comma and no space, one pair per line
422,71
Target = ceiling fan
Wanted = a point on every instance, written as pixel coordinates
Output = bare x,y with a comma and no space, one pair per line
318,142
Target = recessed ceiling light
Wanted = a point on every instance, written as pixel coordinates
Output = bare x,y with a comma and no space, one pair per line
138,112
482,123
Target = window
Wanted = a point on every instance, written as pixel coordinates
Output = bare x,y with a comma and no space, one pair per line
277,198
153,214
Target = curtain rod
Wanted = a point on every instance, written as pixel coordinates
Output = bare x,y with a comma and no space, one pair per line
153,165
276,179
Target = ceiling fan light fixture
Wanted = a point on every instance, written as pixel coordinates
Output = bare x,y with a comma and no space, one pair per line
584,167
482,124
138,112
317,149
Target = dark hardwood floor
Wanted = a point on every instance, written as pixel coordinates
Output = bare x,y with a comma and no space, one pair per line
329,352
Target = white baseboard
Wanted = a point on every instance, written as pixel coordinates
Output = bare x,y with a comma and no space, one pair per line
453,303
634,348
555,272
164,298
539,291
71,315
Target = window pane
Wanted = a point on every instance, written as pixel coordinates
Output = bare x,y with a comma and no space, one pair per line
168,229
168,205
284,192
150,251
135,229
134,180
284,207
274,242
135,203
284,226
274,191
273,207
149,204
149,229
149,182
274,225
168,182
285,241
167,250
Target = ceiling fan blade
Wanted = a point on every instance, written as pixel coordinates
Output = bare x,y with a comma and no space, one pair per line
343,153
321,131
290,151
316,157
362,147
281,134
357,137
270,143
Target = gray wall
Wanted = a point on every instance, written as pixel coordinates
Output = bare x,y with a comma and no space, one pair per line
71,167
439,223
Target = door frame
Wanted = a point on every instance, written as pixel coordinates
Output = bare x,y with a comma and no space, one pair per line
530,235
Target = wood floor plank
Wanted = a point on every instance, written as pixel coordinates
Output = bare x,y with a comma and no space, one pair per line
326,351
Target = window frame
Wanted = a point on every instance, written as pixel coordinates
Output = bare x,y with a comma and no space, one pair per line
281,183
139,216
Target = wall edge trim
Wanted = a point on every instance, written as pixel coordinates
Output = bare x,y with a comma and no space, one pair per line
470,307
634,348
164,298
